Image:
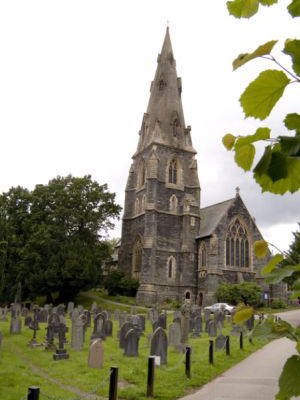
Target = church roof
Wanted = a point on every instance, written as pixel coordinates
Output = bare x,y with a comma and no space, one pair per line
210,217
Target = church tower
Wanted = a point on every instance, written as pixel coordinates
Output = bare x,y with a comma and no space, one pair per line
162,197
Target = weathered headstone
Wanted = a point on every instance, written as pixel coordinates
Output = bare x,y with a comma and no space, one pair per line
250,323
108,328
70,308
197,326
61,352
211,328
34,326
162,320
185,322
122,334
16,321
99,327
28,320
77,333
132,343
175,336
96,354
220,342
159,345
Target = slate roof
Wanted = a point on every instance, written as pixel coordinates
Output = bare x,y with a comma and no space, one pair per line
211,216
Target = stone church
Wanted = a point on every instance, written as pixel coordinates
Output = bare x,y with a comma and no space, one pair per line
176,249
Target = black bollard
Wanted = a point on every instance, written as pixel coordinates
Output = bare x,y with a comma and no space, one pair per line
188,361
227,346
33,393
241,341
211,351
113,383
150,378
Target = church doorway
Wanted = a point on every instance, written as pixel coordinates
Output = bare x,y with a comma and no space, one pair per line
188,296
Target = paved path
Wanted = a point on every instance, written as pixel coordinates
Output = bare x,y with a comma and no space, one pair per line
256,377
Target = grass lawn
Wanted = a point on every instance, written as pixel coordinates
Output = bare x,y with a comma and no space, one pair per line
21,367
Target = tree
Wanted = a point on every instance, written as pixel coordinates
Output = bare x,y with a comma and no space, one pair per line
293,256
248,293
278,170
57,243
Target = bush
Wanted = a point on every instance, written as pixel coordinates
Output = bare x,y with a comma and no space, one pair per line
278,303
233,293
117,282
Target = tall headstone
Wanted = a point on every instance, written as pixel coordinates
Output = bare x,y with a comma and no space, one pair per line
175,336
131,343
96,354
159,345
77,333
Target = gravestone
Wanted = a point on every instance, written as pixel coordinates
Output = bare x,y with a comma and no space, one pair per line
159,345
219,316
16,321
34,326
77,333
61,352
60,310
220,342
250,323
88,318
211,328
133,310
154,326
108,328
162,320
197,326
28,320
116,315
99,327
236,330
52,329
80,309
175,337
24,312
70,308
96,354
185,322
131,348
122,334
142,322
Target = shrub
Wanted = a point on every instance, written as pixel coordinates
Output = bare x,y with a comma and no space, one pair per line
117,282
235,293
278,303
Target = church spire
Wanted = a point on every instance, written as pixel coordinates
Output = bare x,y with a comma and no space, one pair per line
163,122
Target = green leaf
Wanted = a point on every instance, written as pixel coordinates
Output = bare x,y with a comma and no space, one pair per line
278,274
290,145
278,166
292,121
294,8
289,380
260,134
296,284
242,8
244,156
272,264
228,141
262,94
267,2
262,50
270,329
263,164
289,184
292,48
260,248
243,315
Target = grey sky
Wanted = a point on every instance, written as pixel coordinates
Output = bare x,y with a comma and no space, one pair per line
75,79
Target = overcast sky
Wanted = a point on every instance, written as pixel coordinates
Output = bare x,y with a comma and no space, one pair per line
75,79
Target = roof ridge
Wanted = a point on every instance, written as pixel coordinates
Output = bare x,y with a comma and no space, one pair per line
221,202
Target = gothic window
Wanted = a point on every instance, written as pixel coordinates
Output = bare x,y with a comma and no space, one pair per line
193,221
137,206
175,126
173,204
171,267
161,84
141,175
173,172
137,256
202,256
237,245
143,203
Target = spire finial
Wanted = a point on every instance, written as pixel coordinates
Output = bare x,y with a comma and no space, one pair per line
168,24
237,189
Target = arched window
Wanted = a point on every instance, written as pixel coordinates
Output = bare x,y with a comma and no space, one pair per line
143,203
137,257
161,84
137,206
173,203
237,245
175,126
202,256
188,295
173,172
171,267
141,175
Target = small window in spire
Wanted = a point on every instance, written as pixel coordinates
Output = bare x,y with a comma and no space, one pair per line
162,84
175,126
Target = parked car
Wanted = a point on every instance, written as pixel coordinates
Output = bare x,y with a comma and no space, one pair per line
217,306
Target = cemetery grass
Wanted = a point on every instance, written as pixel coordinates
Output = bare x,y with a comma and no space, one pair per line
170,382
